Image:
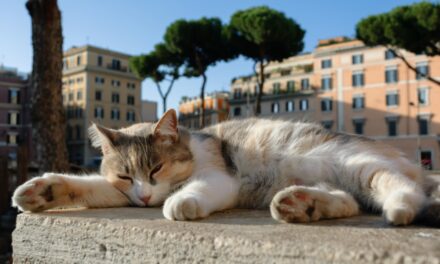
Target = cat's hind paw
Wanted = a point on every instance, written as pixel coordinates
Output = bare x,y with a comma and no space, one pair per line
37,194
300,204
182,207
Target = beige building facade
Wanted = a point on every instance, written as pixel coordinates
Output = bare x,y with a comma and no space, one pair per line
351,88
98,87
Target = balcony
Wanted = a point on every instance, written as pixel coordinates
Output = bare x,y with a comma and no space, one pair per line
114,67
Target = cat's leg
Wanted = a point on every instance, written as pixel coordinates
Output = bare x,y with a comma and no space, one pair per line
61,190
399,197
215,191
307,204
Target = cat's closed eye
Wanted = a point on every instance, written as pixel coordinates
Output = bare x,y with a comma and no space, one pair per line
125,178
155,169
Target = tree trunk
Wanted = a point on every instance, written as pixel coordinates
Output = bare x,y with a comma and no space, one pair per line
202,97
164,104
260,81
48,120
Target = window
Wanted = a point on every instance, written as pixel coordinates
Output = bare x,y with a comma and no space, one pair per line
426,159
99,112
423,125
267,75
275,107
11,139
357,59
130,100
237,93
303,105
115,98
78,131
99,80
70,96
131,85
237,111
391,75
325,64
78,60
392,99
79,95
14,96
69,132
389,55
422,70
276,87
78,112
116,64
79,79
100,60
357,78
131,116
285,72
290,106
327,124
116,83
358,102
65,65
422,95
326,82
392,126
13,118
358,125
291,86
326,105
98,95
115,114
305,84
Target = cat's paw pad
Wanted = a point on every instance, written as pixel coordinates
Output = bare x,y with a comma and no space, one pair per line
294,204
36,194
399,216
183,207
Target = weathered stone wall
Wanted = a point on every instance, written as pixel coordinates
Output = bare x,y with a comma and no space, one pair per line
139,235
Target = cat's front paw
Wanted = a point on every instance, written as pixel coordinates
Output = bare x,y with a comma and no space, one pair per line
182,207
37,194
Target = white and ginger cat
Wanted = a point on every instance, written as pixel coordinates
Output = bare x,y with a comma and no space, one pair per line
301,171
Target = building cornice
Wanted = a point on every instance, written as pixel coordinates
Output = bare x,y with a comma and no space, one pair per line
96,69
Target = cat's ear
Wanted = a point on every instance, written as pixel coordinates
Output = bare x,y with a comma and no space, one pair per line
104,138
166,127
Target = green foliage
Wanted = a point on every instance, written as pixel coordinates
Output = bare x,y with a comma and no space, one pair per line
264,34
415,28
201,43
157,65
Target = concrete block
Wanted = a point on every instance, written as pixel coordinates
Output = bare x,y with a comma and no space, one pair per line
142,235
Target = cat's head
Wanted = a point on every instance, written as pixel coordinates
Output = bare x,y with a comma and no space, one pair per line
146,160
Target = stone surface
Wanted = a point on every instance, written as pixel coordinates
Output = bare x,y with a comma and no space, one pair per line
142,235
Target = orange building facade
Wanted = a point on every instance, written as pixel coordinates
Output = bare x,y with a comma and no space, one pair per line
351,88
216,110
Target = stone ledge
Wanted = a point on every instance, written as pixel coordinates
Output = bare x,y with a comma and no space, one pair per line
142,235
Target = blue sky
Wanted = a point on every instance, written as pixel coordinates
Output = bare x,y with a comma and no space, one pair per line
135,26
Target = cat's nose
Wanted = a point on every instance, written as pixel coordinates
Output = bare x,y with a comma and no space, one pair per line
145,199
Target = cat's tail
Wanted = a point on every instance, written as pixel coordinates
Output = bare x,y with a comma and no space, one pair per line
429,215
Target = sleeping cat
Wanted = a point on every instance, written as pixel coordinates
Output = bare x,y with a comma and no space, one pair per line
301,171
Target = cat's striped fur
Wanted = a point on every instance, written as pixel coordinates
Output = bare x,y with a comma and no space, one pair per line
302,171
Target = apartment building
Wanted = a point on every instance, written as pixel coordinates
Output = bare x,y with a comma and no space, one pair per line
356,89
15,125
216,110
98,87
